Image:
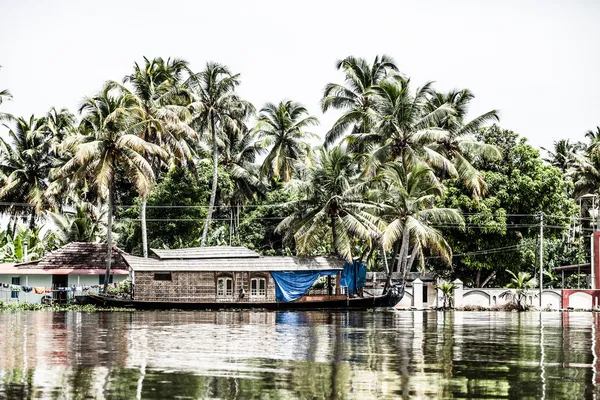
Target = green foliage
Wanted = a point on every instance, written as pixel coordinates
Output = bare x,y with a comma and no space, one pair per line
178,220
123,289
517,186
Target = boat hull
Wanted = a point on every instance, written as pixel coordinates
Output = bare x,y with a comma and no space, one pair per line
357,303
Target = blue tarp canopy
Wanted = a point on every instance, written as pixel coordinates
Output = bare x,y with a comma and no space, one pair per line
353,276
291,285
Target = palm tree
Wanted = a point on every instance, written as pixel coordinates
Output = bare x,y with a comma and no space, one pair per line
216,107
403,128
408,195
460,145
353,97
332,205
109,143
563,154
83,225
162,99
26,163
594,137
282,128
238,156
447,290
520,285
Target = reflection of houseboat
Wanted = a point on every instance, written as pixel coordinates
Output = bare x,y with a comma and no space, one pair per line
236,277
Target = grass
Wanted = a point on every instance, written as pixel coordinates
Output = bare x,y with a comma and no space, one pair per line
8,307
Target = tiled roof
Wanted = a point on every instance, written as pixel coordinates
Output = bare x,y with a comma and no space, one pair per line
78,255
206,252
236,264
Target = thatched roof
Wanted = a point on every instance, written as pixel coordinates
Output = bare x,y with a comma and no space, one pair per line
78,255
205,252
236,264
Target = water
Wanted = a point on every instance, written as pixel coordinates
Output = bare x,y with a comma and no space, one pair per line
307,355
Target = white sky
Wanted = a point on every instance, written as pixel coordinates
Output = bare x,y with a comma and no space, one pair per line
535,61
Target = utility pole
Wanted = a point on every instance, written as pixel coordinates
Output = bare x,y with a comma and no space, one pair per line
541,256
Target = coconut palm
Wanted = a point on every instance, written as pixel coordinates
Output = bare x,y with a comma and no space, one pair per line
563,154
25,162
109,143
282,128
162,99
593,149
459,145
352,96
332,206
216,107
83,225
408,195
238,156
403,128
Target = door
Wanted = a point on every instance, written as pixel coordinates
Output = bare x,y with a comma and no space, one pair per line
60,281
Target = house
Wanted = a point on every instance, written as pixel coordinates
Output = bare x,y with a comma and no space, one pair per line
75,264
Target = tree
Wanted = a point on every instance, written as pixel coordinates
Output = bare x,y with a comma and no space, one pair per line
332,205
108,141
407,195
403,127
162,101
353,97
84,224
563,154
447,289
498,225
216,107
282,127
460,145
26,162
520,285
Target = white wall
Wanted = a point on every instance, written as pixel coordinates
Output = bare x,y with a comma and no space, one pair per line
46,281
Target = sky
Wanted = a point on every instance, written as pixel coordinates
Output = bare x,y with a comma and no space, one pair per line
535,61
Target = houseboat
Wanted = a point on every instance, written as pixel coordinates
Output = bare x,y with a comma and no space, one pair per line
237,278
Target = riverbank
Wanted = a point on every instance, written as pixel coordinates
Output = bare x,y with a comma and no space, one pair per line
9,307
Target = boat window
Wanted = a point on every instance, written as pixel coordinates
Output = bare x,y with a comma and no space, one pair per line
258,287
225,287
163,276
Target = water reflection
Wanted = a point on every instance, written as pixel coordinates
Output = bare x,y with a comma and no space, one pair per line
307,355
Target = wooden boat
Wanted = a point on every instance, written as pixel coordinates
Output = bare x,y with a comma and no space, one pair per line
213,278
345,303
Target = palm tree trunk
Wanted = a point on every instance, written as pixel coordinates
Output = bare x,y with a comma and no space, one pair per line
213,193
144,230
404,255
388,281
109,234
32,220
410,263
333,236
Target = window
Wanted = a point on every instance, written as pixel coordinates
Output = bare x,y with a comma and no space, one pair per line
17,282
225,287
258,287
101,279
163,276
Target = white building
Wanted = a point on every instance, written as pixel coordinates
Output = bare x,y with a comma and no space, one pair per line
79,265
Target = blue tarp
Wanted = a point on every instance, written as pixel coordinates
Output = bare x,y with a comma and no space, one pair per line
291,285
353,276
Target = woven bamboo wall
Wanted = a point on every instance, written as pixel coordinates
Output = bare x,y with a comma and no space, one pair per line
191,286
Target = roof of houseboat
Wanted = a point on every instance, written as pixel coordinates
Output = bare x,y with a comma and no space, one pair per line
205,252
219,263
